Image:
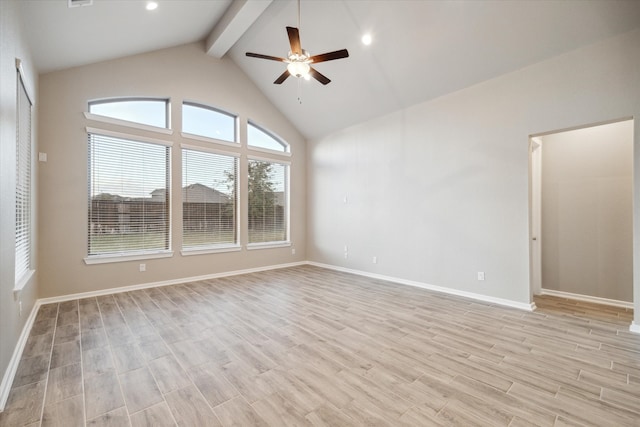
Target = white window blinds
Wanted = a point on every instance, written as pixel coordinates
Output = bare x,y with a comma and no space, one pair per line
268,201
23,183
209,199
128,196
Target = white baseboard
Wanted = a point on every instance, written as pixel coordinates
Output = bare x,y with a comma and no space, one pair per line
10,373
587,298
471,295
111,291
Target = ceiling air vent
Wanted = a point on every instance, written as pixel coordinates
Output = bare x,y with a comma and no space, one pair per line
78,3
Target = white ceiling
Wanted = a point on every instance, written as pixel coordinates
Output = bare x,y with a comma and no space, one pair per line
421,49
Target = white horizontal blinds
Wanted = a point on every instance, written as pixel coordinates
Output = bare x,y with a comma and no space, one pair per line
23,182
128,196
268,199
209,199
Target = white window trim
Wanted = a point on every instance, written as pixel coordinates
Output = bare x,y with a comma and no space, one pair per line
127,123
209,150
209,140
270,160
128,136
22,282
210,250
268,245
109,258
267,150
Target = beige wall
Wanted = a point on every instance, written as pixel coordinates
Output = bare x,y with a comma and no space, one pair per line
181,73
12,45
587,222
439,191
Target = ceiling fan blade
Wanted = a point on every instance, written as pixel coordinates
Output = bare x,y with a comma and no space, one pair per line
319,77
282,78
330,56
272,58
294,40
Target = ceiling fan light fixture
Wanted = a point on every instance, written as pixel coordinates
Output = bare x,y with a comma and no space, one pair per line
298,69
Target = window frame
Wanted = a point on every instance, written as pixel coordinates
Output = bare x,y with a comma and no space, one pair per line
134,254
216,248
287,207
137,125
281,141
204,138
21,278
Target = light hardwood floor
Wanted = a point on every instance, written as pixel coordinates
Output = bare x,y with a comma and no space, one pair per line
306,346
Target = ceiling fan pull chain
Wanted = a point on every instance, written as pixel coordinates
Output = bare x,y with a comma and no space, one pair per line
300,91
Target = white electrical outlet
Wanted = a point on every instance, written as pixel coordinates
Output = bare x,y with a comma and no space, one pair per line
346,248
346,255
143,267
20,308
480,275
375,260
293,251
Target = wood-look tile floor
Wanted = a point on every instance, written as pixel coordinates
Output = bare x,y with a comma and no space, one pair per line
306,346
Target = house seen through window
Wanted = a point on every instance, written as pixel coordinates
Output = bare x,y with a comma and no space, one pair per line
128,204
209,199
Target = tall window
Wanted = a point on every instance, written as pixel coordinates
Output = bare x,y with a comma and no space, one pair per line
146,111
23,182
260,138
268,189
209,199
128,196
208,122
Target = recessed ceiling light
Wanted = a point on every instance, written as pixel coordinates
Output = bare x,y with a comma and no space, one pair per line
366,39
152,5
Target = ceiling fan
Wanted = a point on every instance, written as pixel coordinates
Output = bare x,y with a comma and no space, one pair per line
299,61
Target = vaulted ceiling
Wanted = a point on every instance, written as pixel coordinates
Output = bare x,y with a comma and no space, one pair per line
421,49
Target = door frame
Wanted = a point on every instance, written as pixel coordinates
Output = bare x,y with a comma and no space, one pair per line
535,213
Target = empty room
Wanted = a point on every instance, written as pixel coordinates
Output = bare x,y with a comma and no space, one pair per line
319,213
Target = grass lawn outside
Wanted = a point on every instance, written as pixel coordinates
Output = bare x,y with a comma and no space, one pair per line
113,243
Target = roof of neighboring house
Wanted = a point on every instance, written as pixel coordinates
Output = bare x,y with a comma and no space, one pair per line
196,193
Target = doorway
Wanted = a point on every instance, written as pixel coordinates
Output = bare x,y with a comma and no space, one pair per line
581,213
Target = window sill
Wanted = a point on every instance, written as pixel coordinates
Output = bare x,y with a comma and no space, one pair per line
209,139
105,259
210,250
267,150
22,282
268,245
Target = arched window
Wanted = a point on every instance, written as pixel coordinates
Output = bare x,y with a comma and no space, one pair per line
260,138
209,122
146,111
